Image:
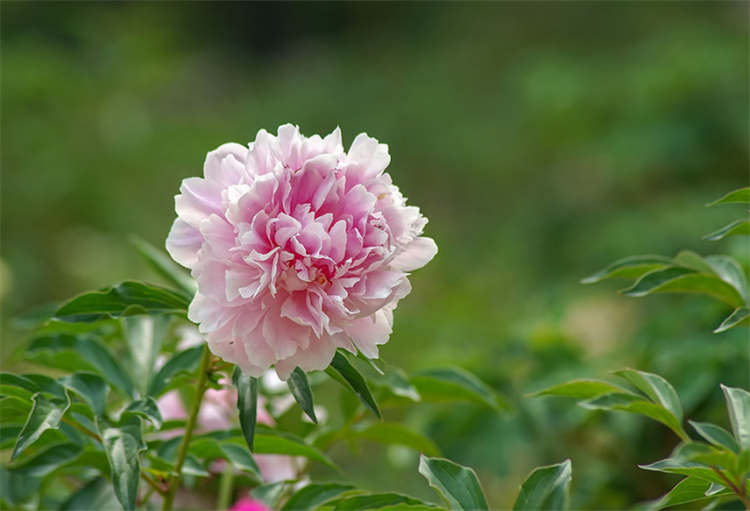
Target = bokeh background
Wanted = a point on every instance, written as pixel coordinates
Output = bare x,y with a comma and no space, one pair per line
542,140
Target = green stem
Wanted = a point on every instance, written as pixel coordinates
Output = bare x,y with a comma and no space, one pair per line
174,480
226,488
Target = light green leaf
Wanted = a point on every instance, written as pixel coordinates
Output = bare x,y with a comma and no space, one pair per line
546,488
237,455
716,435
80,352
96,495
123,445
185,361
455,384
655,387
689,489
144,335
738,405
247,403
353,379
393,433
91,388
458,485
45,414
690,468
378,501
397,382
268,441
162,264
629,268
581,389
9,434
684,280
737,228
730,271
741,196
694,261
300,389
269,494
47,460
740,317
146,408
124,299
313,495
634,404
14,409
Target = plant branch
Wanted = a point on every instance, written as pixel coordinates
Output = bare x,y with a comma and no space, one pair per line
741,493
155,486
174,479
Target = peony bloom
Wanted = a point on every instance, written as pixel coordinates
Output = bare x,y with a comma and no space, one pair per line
298,247
248,504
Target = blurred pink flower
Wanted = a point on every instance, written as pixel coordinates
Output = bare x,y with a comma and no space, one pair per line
248,504
298,248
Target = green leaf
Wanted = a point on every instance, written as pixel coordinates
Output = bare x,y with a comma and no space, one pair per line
300,389
634,404
716,435
741,196
14,409
694,261
738,405
123,445
96,495
740,317
145,408
738,227
91,388
455,384
458,485
354,381
237,455
708,455
247,404
9,435
580,389
268,441
269,494
185,361
730,271
313,495
48,385
655,387
392,433
397,382
546,488
17,386
124,299
45,414
162,264
677,279
48,460
629,268
689,468
144,335
378,501
689,489
80,352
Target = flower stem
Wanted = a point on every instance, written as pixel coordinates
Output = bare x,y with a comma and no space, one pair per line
226,488
174,480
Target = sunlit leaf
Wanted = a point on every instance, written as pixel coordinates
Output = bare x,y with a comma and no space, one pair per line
629,268
677,279
458,485
455,384
123,445
716,435
546,488
144,335
655,387
315,494
740,317
45,414
378,501
268,441
690,489
731,272
738,405
580,389
269,494
91,388
741,196
147,409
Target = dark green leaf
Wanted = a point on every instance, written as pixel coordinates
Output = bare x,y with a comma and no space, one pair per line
14,409
392,433
147,409
50,386
458,485
684,280
91,388
378,501
313,495
125,299
48,460
300,389
730,271
738,227
741,196
354,381
580,389
9,435
80,352
455,384
123,445
185,361
247,403
144,335
45,414
740,317
162,264
738,405
629,268
716,435
546,488
240,458
634,404
655,387
96,495
18,386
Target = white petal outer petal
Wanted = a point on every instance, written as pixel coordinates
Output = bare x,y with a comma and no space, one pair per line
199,200
368,332
417,254
183,243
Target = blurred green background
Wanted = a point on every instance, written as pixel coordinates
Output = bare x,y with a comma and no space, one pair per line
542,140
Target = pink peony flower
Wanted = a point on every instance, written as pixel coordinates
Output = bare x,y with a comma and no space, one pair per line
248,504
298,247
